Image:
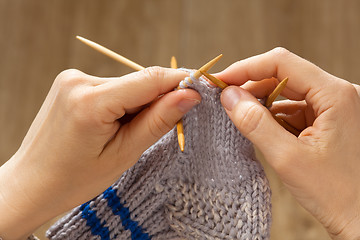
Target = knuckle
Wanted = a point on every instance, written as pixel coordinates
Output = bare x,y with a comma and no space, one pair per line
80,105
252,119
347,93
69,78
72,91
348,89
79,100
280,52
154,72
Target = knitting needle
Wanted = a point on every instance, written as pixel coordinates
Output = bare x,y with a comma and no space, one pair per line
135,66
111,54
215,80
269,101
207,66
179,124
276,92
173,62
197,74
286,125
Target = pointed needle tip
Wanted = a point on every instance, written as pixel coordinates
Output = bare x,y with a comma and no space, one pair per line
276,92
181,141
86,41
215,80
207,66
80,38
173,62
284,81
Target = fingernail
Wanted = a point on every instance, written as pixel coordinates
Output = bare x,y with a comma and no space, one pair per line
186,104
230,97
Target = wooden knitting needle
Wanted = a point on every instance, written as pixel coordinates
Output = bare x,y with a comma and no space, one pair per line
197,74
179,124
286,125
269,101
276,92
215,80
135,66
111,54
207,66
173,62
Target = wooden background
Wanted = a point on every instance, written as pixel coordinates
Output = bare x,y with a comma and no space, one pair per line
37,41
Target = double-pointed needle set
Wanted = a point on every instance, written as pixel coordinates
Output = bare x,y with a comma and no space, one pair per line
196,75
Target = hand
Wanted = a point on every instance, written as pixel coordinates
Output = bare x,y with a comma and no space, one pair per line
87,133
321,166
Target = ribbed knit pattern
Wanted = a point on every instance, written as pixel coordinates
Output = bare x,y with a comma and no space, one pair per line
215,189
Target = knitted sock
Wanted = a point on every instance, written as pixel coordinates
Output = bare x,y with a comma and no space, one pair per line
215,189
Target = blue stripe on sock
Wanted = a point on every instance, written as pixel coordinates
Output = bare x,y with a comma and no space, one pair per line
93,222
137,233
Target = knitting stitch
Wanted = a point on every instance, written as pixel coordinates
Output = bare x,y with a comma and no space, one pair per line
188,81
214,190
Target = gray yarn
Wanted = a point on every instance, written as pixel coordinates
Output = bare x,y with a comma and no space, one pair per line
188,81
215,189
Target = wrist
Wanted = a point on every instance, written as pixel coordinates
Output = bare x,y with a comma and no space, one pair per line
21,210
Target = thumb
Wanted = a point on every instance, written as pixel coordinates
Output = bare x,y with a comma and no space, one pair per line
254,121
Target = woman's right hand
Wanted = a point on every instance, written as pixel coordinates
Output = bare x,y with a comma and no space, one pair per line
321,166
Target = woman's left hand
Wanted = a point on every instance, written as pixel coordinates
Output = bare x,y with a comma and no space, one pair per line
87,133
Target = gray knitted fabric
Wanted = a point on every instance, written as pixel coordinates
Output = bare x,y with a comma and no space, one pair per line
215,189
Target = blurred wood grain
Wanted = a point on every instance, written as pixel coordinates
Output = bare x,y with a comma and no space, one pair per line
37,41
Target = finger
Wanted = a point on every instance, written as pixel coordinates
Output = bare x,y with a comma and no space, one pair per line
78,77
306,81
138,109
287,106
261,89
254,121
153,122
136,89
292,112
135,109
296,113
